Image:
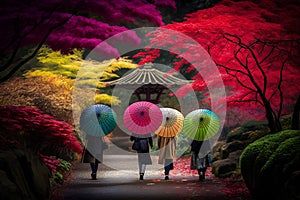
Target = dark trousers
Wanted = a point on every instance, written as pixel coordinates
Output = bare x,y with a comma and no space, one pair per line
168,166
202,170
94,166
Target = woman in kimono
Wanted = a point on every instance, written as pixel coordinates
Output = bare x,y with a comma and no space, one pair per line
167,153
93,153
143,152
200,159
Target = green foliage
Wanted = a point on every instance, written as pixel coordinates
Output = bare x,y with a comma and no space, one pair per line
64,166
58,178
268,163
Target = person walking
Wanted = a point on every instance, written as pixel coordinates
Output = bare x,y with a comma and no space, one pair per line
93,153
167,153
200,159
141,145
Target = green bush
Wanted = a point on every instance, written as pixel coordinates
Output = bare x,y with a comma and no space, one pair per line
64,166
268,163
237,133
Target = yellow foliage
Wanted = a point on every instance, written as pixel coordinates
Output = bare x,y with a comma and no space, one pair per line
121,63
106,99
38,73
47,55
88,73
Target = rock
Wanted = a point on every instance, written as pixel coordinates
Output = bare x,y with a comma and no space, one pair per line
217,146
235,156
8,189
216,156
231,147
38,171
223,168
23,175
14,170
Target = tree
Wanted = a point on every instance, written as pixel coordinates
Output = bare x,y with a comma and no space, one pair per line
261,71
66,24
255,45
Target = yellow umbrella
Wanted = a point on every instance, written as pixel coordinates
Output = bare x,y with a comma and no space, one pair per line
172,123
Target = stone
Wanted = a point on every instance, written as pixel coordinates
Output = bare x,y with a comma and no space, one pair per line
23,175
235,156
231,147
216,156
217,146
222,168
8,189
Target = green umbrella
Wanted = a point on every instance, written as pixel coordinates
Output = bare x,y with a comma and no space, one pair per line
201,124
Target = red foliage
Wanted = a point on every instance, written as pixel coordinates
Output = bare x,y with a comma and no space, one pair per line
233,189
36,129
249,21
149,55
50,161
182,167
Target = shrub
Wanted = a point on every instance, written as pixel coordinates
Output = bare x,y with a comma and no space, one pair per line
39,132
249,126
268,163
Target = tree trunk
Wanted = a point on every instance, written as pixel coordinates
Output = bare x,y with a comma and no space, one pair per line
273,123
295,118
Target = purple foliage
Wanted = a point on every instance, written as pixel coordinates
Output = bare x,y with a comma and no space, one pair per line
28,22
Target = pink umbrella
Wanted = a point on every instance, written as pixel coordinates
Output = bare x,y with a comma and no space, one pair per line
142,117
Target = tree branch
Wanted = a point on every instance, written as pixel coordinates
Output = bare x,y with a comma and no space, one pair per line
25,60
22,37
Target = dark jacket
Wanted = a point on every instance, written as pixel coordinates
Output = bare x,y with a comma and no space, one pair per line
195,146
144,143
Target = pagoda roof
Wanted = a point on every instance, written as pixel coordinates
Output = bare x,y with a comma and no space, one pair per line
148,75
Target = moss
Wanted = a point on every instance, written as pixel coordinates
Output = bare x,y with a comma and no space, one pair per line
286,122
269,161
249,126
255,135
285,153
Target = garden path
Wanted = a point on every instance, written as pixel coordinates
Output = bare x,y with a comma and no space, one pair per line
124,184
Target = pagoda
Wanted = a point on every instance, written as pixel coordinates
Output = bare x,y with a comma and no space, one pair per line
149,81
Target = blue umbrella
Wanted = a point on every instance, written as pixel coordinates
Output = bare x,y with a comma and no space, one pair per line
98,120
